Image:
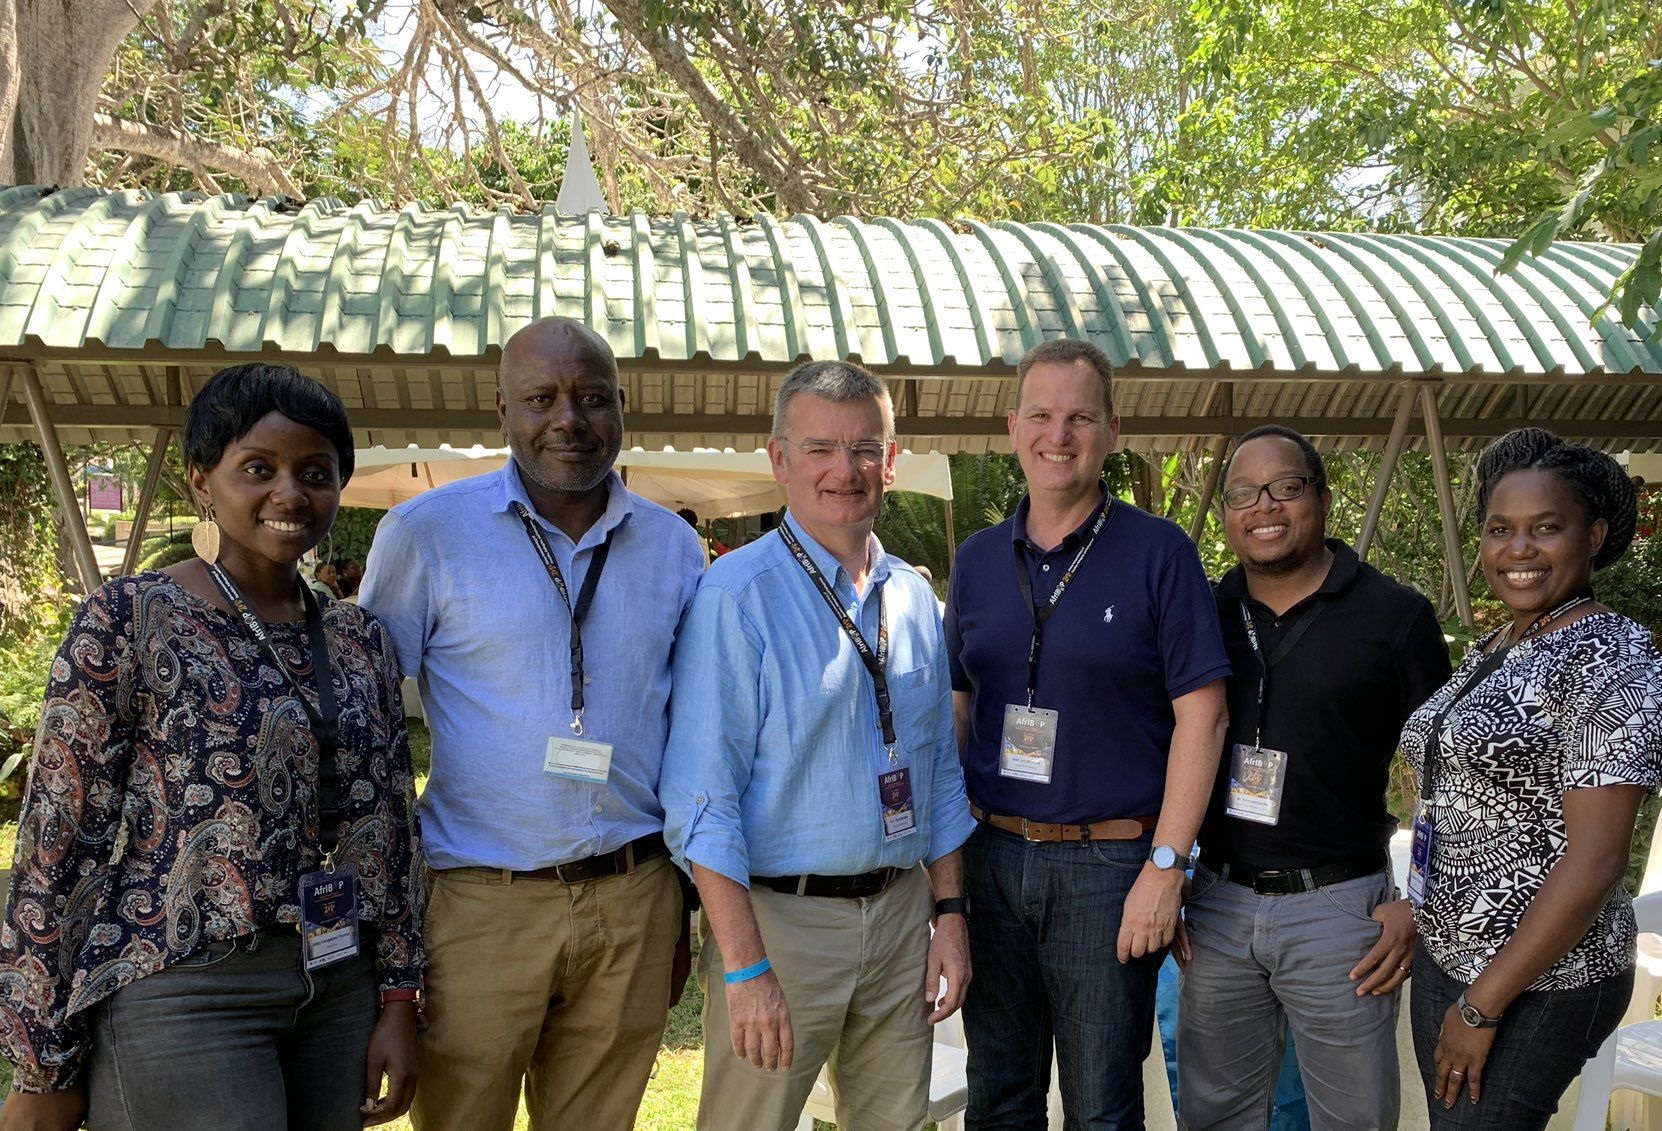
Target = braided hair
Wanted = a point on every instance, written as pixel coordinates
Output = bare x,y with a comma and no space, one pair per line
1599,482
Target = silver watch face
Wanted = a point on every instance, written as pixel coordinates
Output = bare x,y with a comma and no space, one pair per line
1470,1015
1164,856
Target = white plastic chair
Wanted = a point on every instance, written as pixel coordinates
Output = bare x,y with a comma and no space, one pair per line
1632,1058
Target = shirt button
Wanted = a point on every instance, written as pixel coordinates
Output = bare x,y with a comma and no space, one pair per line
1045,567
597,808
699,799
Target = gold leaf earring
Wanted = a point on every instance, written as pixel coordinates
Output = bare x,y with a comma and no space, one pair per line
204,538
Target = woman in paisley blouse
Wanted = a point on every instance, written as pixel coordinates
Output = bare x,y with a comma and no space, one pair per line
1541,747
184,792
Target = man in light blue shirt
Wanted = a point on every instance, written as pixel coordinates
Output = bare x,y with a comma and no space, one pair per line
811,768
554,911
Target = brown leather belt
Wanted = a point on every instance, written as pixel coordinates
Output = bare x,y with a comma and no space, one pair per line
614,863
1051,832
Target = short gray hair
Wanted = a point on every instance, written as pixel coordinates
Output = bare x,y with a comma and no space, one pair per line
836,381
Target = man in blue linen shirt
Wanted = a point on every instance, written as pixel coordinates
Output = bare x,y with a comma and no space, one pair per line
554,910
801,820
1088,687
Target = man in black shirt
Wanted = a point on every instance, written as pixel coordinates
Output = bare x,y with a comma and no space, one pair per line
1294,918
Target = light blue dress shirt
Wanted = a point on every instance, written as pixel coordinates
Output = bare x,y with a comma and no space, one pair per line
476,619
775,751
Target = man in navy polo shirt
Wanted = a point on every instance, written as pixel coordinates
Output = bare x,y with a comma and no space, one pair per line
1088,689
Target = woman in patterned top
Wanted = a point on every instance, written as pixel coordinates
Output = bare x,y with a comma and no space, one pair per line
1541,747
214,921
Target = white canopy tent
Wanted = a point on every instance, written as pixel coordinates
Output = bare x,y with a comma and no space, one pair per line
716,484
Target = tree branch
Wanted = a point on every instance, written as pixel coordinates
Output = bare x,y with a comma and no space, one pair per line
262,175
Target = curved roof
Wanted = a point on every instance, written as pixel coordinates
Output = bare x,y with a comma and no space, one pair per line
404,311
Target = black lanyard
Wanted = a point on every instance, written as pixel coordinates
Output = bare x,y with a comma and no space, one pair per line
324,718
1042,613
875,662
1298,629
1491,663
580,611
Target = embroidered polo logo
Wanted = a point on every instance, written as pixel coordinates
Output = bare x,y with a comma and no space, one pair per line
1108,615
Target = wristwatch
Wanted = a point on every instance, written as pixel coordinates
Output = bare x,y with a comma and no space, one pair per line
1165,857
957,905
1470,1015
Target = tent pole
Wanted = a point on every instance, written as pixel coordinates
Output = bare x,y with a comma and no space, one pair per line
1208,492
75,525
146,499
1387,468
1453,562
951,536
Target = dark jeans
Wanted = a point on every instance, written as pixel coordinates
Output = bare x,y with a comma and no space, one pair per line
238,1037
1544,1039
1044,921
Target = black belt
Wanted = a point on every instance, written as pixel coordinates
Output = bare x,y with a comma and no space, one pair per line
617,862
863,886
1293,881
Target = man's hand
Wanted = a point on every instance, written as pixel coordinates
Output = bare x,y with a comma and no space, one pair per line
1391,960
759,1022
392,1054
948,958
44,1111
1149,921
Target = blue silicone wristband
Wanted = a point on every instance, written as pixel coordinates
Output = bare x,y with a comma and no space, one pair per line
749,972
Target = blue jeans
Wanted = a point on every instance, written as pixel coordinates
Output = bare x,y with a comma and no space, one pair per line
237,1037
1544,1039
1044,921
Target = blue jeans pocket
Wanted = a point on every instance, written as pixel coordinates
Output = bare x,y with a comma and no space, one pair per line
1130,855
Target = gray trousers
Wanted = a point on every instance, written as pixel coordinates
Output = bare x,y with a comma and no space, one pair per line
1262,962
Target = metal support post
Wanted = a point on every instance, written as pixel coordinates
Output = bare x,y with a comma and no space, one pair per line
75,525
1455,564
147,497
1387,468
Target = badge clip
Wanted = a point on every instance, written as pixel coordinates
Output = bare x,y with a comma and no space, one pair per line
577,723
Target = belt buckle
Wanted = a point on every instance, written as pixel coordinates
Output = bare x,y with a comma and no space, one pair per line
1268,882
560,874
1024,824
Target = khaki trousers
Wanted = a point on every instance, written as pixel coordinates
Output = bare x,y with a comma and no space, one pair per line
852,972
563,988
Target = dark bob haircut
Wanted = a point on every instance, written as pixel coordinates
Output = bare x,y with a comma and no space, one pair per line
237,398
1598,481
1312,458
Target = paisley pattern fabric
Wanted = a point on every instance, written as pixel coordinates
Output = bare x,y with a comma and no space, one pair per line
1576,708
172,802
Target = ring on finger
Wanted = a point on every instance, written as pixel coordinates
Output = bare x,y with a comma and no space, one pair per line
1456,1072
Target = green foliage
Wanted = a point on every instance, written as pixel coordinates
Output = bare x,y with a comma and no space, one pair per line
351,535
169,553
1633,586
985,490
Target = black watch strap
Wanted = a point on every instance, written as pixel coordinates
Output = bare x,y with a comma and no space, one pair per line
957,905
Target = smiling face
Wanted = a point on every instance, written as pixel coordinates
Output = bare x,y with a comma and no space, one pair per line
560,406
274,491
1061,429
1274,537
1538,542
828,483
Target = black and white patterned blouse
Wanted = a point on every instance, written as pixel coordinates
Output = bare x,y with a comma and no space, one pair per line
1576,708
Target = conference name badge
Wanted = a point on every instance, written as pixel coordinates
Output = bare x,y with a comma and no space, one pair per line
1257,776
1419,858
329,915
894,793
577,759
1027,749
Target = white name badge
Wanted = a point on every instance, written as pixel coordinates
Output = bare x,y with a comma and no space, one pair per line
894,793
1419,859
1257,776
1027,749
329,915
577,759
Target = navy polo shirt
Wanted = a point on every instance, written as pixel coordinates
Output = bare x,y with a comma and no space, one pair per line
1136,629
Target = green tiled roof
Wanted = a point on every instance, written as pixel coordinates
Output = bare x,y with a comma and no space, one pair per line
123,301
132,270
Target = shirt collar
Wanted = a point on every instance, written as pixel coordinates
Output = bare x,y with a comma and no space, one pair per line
1341,575
1018,524
619,504
826,562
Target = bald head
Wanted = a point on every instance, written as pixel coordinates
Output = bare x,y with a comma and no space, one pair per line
561,409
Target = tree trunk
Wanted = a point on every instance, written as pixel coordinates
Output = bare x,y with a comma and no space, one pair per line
54,55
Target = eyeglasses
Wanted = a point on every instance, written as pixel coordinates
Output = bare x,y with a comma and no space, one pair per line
866,453
1281,490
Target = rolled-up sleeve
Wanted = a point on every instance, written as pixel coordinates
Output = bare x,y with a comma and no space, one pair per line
950,823
716,705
